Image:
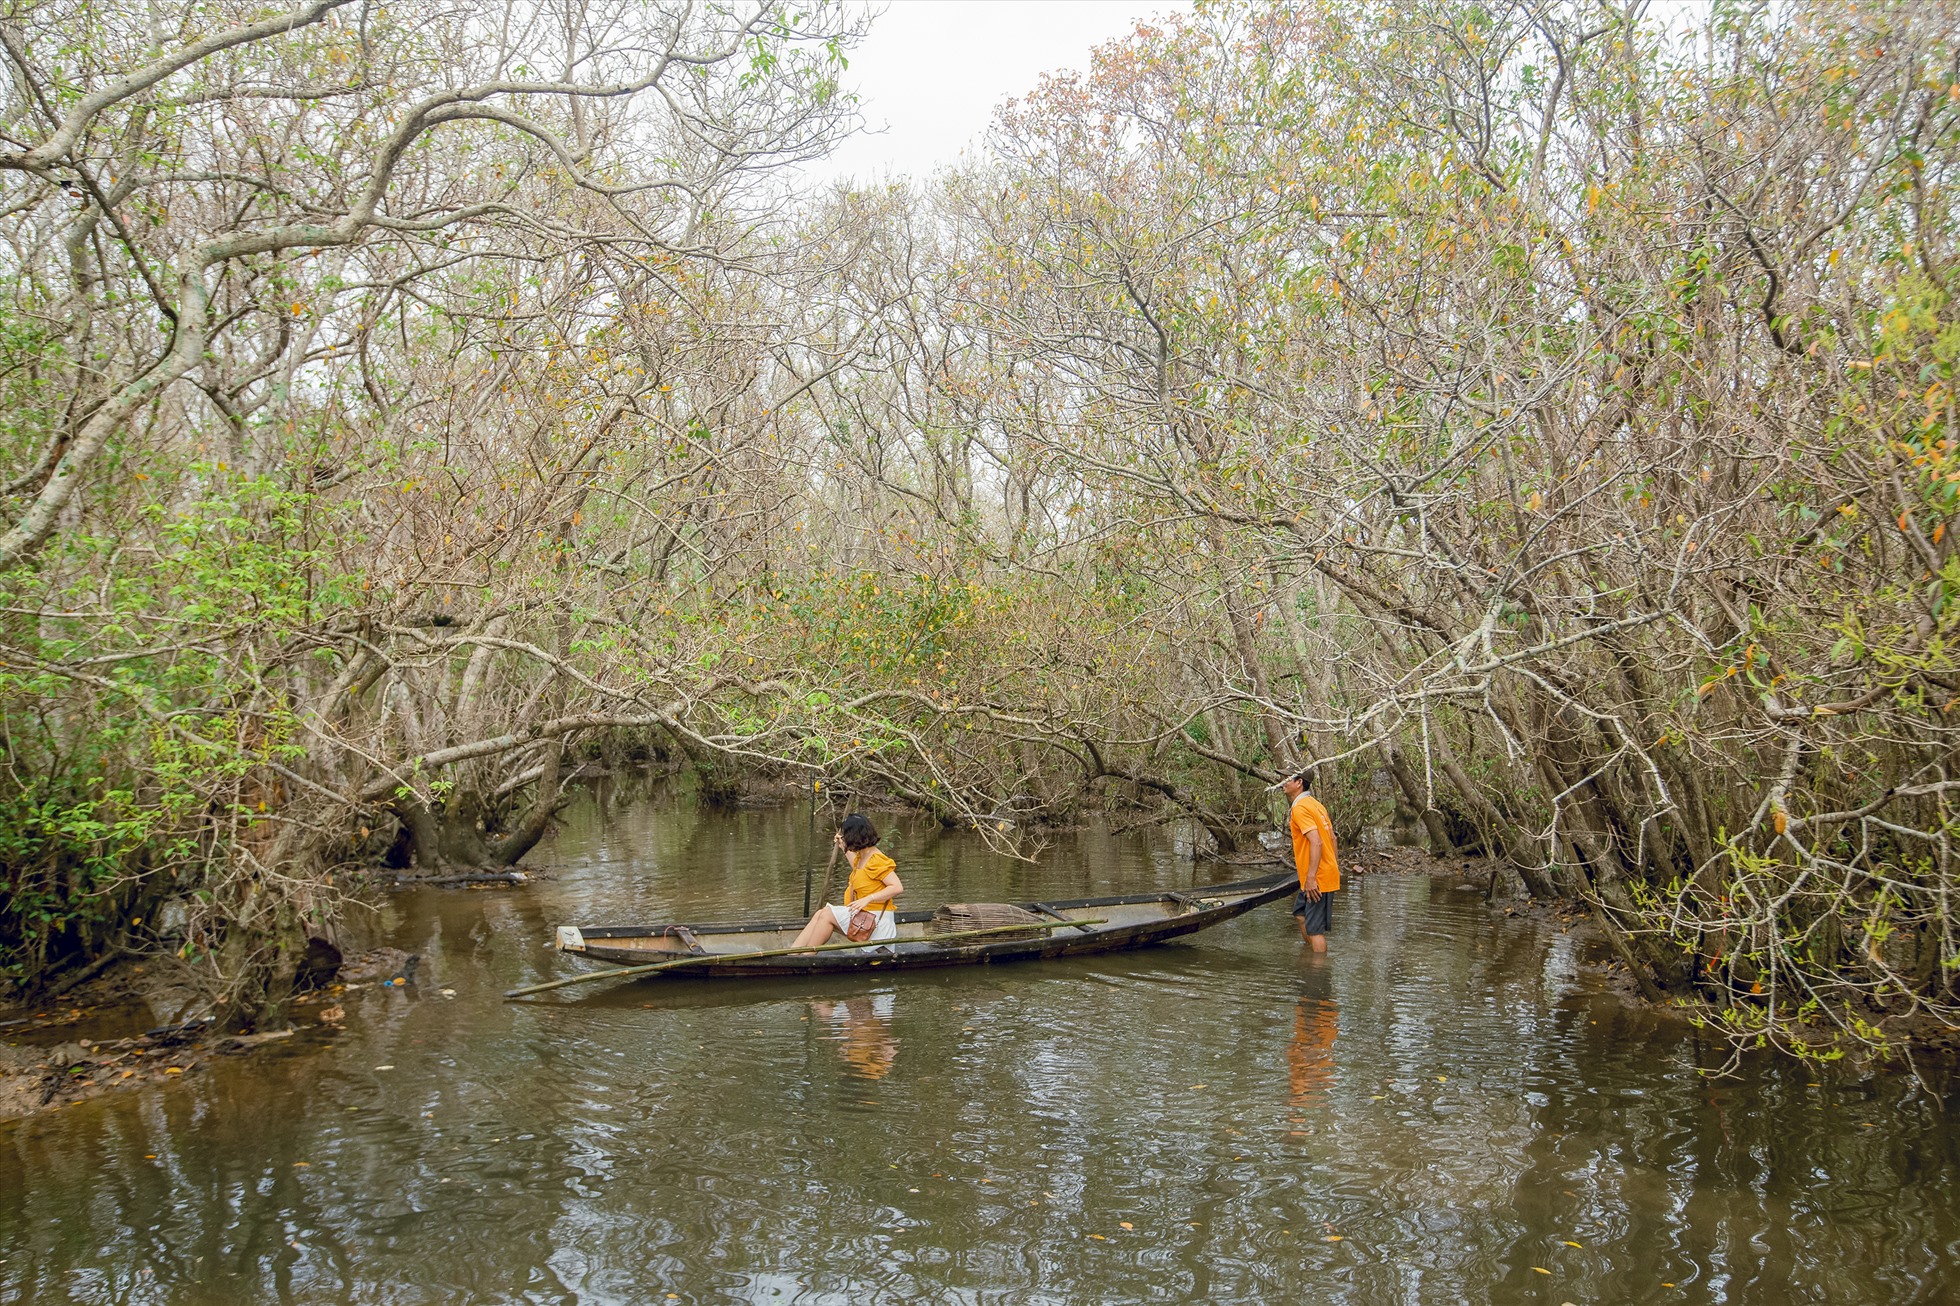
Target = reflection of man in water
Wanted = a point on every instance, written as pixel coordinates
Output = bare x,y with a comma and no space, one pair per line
864,1031
1310,1052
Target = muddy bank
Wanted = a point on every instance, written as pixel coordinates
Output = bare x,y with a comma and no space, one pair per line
103,1036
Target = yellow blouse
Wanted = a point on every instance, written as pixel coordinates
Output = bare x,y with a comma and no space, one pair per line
868,879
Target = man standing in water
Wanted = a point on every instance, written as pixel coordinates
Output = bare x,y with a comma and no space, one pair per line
1313,857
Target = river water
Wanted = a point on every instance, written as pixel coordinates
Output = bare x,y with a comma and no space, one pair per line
1445,1108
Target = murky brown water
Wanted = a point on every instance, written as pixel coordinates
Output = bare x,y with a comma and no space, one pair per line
1438,1111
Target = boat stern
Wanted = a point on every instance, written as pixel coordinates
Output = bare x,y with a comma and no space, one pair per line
569,939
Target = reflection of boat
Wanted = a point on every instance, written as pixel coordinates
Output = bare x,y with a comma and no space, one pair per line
1110,924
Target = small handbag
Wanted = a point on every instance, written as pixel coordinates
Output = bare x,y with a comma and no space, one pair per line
861,926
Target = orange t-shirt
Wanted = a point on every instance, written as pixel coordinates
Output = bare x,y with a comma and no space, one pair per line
868,879
1307,815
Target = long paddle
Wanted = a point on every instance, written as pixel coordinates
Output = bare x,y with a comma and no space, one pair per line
836,846
623,971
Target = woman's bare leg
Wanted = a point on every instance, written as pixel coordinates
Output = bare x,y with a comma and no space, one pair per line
821,927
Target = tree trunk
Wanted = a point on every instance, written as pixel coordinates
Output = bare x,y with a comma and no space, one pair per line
1432,820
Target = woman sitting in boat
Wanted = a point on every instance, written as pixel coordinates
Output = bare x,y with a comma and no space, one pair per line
873,888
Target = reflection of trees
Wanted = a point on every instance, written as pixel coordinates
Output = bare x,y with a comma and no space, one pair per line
306,1176
212,1215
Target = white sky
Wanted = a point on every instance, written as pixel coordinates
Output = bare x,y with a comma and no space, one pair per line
932,72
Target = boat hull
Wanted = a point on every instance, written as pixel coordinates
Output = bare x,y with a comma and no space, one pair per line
1116,924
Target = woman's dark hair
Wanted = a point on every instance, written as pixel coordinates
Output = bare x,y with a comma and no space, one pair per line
859,833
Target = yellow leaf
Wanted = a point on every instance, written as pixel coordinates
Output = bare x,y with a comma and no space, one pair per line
1539,1269
1125,1224
1570,1243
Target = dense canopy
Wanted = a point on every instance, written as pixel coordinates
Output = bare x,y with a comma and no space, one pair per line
1538,415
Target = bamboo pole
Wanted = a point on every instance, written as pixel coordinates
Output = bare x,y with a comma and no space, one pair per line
836,847
624,971
810,852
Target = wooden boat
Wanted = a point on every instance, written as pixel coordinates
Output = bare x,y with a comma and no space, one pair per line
1070,928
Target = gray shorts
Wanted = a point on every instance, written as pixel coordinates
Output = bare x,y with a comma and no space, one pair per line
1316,916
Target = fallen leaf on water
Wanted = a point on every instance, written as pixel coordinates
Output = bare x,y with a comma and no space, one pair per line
1442,1079
1570,1243
1194,1086
1099,1238
1332,1238
1539,1269
173,1070
301,1165
1125,1224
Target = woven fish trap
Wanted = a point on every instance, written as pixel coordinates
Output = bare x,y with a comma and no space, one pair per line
953,917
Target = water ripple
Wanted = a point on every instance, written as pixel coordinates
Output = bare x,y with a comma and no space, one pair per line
1438,1110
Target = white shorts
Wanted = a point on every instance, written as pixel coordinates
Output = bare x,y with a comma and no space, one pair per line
887,927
